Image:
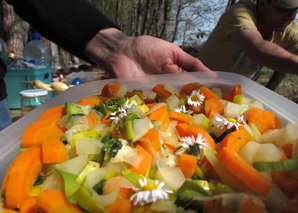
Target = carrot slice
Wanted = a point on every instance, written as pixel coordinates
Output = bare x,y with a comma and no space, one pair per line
237,90
53,151
21,177
234,140
181,128
54,113
207,92
181,117
30,206
244,171
212,107
92,100
187,164
158,89
145,163
110,89
193,130
261,118
125,205
36,132
188,88
151,142
161,114
52,200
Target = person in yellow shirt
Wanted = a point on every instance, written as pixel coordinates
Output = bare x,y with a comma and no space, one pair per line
252,34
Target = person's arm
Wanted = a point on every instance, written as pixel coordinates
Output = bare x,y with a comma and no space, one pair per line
266,53
71,24
124,56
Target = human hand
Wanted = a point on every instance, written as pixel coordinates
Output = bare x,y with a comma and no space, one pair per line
123,56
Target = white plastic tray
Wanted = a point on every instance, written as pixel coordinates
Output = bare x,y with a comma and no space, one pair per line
10,138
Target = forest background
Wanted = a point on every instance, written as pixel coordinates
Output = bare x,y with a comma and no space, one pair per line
186,23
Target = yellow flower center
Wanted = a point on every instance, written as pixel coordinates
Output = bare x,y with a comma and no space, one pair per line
233,120
150,186
194,98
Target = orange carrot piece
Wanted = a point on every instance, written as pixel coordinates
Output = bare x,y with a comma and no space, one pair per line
181,117
212,107
193,130
187,164
54,113
145,163
226,96
196,109
207,92
90,120
170,147
138,93
151,141
30,206
289,185
158,89
110,89
244,171
52,200
161,114
92,100
53,151
237,90
276,122
5,210
125,193
37,131
120,206
188,88
288,149
21,177
234,140
264,120
181,128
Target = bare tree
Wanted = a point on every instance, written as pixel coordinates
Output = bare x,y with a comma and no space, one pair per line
12,30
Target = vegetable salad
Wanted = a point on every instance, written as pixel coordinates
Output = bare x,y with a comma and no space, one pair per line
192,149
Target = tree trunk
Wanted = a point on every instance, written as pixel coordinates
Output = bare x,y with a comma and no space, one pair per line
12,31
275,80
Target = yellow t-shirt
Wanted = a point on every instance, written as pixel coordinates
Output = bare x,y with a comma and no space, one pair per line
221,53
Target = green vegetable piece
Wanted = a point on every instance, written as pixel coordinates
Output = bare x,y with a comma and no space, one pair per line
238,99
194,186
70,184
278,166
186,200
75,109
84,198
223,188
127,129
135,98
91,166
40,180
111,146
100,109
131,176
72,120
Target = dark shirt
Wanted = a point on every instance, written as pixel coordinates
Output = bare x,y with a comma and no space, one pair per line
3,93
69,23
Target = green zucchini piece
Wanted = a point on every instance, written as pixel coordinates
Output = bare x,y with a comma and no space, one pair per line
278,166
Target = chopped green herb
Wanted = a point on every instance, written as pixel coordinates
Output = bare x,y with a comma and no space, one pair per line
98,187
40,180
111,146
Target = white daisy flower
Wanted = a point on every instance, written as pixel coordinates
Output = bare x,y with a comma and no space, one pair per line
230,122
182,109
121,113
150,192
187,142
196,98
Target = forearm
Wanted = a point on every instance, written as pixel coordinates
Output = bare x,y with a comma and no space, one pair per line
69,23
275,57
